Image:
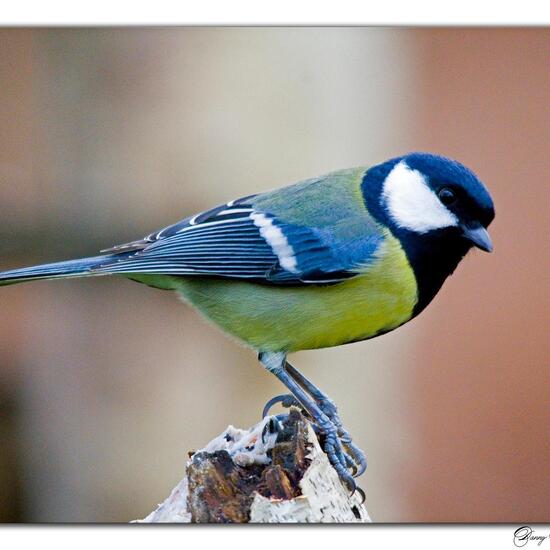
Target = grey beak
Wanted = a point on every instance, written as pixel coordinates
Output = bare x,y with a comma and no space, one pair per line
479,236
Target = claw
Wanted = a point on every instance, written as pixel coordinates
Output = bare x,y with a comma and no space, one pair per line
351,465
359,458
286,400
362,494
348,481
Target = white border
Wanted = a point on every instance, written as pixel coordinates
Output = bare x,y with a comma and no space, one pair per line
250,12
139,536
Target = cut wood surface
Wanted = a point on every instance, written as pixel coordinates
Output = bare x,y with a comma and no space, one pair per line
275,472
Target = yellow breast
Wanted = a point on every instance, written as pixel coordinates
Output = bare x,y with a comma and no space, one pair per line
286,318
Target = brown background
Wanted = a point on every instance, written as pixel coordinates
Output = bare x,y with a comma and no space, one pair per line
108,134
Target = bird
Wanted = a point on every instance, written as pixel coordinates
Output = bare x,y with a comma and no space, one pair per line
328,261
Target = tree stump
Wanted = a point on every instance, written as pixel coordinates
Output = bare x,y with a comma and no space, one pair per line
275,472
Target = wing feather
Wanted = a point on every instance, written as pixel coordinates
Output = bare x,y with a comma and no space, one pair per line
245,239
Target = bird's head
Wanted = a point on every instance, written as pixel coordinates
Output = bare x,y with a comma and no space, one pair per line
428,196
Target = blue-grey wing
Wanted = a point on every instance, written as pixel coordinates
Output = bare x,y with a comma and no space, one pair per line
247,239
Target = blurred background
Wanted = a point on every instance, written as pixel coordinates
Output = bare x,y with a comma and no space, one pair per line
109,134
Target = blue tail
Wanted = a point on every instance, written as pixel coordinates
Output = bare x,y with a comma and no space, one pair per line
58,270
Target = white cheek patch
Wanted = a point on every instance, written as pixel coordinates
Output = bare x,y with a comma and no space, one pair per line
276,240
412,204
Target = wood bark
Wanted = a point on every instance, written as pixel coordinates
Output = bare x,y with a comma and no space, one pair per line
275,472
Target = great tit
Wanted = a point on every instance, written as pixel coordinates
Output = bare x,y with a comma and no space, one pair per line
327,261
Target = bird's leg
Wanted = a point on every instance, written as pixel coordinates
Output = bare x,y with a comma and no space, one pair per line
359,462
340,460
327,405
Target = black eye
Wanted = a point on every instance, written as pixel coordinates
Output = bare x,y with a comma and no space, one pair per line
447,196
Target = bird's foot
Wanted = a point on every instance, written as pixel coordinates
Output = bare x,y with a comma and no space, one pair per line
359,460
286,400
346,458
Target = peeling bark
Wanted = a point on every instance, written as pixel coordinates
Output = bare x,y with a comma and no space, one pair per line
276,472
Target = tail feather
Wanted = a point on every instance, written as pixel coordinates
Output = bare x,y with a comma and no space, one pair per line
62,270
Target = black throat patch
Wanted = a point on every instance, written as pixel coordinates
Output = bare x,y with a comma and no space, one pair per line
433,256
